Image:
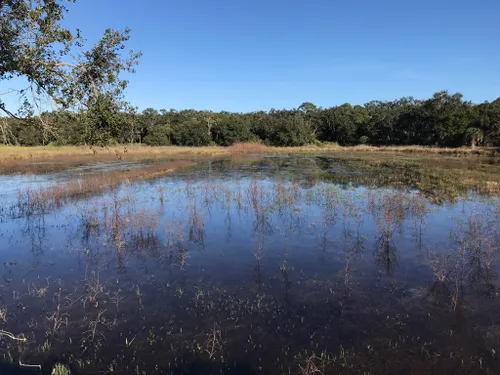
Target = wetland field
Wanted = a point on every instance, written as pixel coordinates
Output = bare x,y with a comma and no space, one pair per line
346,263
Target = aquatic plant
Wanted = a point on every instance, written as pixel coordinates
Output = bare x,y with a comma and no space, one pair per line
213,343
60,369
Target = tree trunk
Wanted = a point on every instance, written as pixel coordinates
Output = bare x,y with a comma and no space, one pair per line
7,136
3,127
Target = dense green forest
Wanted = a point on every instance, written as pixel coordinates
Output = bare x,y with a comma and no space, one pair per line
444,120
85,83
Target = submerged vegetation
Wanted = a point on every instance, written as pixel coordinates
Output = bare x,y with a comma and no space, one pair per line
268,265
280,244
50,159
54,158
38,201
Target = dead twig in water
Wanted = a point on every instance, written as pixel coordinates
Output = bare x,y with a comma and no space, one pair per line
12,337
213,343
310,367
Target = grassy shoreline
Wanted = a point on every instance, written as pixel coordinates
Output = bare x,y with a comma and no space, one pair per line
139,151
44,159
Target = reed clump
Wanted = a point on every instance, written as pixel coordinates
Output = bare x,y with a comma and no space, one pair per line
41,159
39,200
17,159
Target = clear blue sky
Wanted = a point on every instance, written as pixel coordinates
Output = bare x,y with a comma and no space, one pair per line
248,55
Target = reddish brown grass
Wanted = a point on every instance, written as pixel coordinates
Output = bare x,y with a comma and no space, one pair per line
241,148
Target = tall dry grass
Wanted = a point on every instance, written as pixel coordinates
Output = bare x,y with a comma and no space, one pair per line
250,147
47,152
32,201
489,151
333,148
50,158
242,148
8,153
15,159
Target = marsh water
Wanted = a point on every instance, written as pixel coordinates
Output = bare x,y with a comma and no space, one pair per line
260,265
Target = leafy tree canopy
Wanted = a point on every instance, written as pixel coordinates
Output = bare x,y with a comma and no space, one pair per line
56,64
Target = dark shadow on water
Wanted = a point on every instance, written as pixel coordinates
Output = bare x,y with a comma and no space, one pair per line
45,369
8,369
236,245
207,367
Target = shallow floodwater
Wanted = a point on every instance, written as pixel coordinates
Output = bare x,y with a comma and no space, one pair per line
288,265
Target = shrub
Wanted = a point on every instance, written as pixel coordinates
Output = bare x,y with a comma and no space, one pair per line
159,135
191,133
364,140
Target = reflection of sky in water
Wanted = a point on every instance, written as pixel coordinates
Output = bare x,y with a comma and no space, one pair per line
11,184
53,245
322,284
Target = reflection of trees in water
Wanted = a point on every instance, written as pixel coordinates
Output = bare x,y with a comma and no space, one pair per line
326,197
177,249
89,223
341,210
293,223
257,274
35,229
418,212
227,206
261,204
354,247
389,210
477,251
196,223
385,252
260,234
469,263
284,268
352,240
258,253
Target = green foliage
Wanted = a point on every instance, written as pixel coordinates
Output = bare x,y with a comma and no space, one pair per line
60,369
191,132
59,68
444,120
28,133
450,116
101,122
363,140
473,137
68,127
232,129
32,44
487,118
289,129
87,85
308,108
338,124
159,135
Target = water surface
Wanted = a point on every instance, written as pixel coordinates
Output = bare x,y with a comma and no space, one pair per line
263,266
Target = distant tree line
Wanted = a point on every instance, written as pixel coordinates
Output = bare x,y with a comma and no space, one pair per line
443,120
86,85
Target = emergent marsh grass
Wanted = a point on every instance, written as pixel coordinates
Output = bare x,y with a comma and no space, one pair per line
353,264
15,159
